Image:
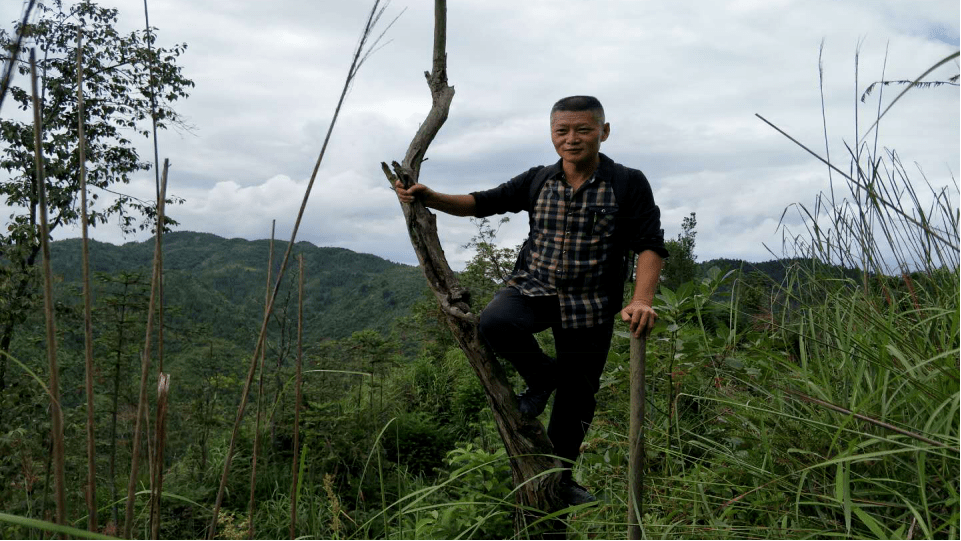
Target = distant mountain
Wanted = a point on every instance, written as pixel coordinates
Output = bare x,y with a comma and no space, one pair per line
220,284
775,269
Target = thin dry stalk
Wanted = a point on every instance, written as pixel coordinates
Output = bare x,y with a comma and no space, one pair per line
55,411
156,161
909,219
824,119
260,391
295,469
360,54
163,389
8,68
153,97
875,422
145,360
87,299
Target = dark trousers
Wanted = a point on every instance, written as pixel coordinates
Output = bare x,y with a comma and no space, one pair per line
508,325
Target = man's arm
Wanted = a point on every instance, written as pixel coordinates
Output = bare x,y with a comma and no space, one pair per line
639,311
458,205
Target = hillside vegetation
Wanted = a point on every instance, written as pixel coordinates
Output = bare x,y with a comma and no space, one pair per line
219,284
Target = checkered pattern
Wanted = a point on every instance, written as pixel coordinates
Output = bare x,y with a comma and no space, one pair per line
571,241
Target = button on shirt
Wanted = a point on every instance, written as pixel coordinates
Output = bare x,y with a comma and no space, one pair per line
572,236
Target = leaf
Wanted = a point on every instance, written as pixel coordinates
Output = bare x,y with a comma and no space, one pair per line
51,527
868,521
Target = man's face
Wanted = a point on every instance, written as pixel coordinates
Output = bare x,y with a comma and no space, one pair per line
577,135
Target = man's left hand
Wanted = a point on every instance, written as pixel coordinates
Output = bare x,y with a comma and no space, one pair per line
641,317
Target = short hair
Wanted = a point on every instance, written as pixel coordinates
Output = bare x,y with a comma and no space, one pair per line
580,103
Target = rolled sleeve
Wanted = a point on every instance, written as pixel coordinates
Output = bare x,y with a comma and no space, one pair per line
647,233
642,230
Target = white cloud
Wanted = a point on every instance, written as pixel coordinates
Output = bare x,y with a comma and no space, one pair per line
681,82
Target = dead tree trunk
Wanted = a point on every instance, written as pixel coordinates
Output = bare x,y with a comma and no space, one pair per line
526,441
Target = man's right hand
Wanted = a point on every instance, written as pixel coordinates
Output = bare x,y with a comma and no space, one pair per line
458,205
416,191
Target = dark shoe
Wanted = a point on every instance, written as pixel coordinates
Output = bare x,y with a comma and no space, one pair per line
573,494
532,403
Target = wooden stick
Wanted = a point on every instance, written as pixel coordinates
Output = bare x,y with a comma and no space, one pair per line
55,412
635,507
145,362
87,298
295,469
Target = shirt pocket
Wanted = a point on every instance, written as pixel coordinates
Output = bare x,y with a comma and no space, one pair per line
602,220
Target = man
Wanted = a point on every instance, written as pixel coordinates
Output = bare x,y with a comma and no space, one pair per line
586,213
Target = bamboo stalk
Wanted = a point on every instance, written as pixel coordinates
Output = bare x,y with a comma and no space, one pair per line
87,298
145,361
260,391
55,411
163,389
635,502
295,468
360,54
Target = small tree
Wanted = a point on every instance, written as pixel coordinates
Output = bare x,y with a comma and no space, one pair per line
681,267
121,75
490,267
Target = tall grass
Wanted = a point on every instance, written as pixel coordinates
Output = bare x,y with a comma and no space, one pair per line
875,370
838,415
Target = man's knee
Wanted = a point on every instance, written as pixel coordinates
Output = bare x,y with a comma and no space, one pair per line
489,324
494,317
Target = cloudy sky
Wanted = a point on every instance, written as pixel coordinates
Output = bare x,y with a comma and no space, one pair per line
681,82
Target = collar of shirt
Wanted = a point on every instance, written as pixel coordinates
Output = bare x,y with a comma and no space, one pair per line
559,180
605,168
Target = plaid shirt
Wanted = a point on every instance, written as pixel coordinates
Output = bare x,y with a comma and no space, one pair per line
571,240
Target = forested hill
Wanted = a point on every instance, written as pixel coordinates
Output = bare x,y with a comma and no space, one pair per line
776,269
219,284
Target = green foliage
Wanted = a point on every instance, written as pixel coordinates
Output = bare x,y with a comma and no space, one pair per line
117,93
220,284
473,501
490,267
681,266
418,443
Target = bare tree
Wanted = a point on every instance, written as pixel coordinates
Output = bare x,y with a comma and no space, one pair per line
526,440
